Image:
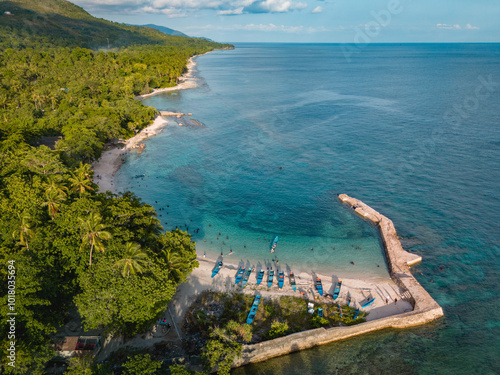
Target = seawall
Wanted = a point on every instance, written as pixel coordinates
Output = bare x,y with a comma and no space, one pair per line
425,309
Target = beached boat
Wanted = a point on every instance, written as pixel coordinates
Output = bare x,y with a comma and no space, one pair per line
336,292
260,276
253,310
281,279
270,279
239,275
292,281
349,300
273,246
368,303
320,312
340,310
246,277
319,286
355,314
216,269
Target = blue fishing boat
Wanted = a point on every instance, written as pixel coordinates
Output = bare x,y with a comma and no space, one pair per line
216,269
320,312
239,275
253,310
336,292
355,314
368,303
349,300
273,246
260,276
270,279
340,310
281,279
292,281
246,277
319,286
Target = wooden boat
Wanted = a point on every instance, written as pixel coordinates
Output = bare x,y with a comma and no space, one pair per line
270,279
281,279
340,310
355,314
253,310
292,281
319,286
320,312
349,300
239,275
246,277
273,246
336,292
368,303
216,269
260,276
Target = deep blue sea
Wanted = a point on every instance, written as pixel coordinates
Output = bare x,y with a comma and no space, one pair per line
413,130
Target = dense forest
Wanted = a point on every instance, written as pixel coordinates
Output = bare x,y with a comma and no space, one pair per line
65,244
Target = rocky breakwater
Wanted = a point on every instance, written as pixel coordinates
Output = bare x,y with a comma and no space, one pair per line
425,309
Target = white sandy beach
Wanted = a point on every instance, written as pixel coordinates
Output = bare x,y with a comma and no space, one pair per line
111,159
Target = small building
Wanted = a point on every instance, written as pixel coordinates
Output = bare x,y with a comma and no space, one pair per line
70,346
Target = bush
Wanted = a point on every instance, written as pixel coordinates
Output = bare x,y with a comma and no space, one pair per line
278,329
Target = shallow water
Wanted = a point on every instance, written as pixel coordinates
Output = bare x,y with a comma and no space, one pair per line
412,130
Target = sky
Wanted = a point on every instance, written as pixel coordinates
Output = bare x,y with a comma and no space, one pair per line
313,21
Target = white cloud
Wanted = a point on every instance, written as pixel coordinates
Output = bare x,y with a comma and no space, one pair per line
223,7
470,27
448,27
318,9
231,11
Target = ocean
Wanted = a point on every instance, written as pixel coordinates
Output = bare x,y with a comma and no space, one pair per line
412,130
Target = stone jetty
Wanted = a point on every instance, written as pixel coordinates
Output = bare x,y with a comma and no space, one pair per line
425,308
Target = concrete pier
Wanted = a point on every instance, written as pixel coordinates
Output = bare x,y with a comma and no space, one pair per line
425,308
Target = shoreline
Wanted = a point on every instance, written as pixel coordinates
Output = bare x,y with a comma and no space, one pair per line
110,161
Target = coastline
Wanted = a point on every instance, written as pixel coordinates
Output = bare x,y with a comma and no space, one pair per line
110,161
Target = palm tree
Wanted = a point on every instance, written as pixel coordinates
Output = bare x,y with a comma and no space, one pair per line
94,234
54,198
55,183
175,264
81,181
133,260
24,231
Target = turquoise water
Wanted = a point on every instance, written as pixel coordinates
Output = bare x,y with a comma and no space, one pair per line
412,130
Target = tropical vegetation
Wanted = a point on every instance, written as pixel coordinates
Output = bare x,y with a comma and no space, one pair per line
68,83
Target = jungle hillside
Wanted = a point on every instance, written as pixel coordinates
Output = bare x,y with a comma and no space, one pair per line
68,83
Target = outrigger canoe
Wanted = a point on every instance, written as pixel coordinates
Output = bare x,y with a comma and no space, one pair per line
281,279
355,314
368,303
292,281
260,276
319,286
273,246
239,275
216,269
253,310
246,277
270,279
336,292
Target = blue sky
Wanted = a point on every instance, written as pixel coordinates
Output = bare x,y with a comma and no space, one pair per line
321,21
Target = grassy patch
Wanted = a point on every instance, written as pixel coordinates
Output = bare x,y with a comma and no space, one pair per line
275,317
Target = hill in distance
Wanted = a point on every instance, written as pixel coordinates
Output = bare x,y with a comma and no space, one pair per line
24,23
165,30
